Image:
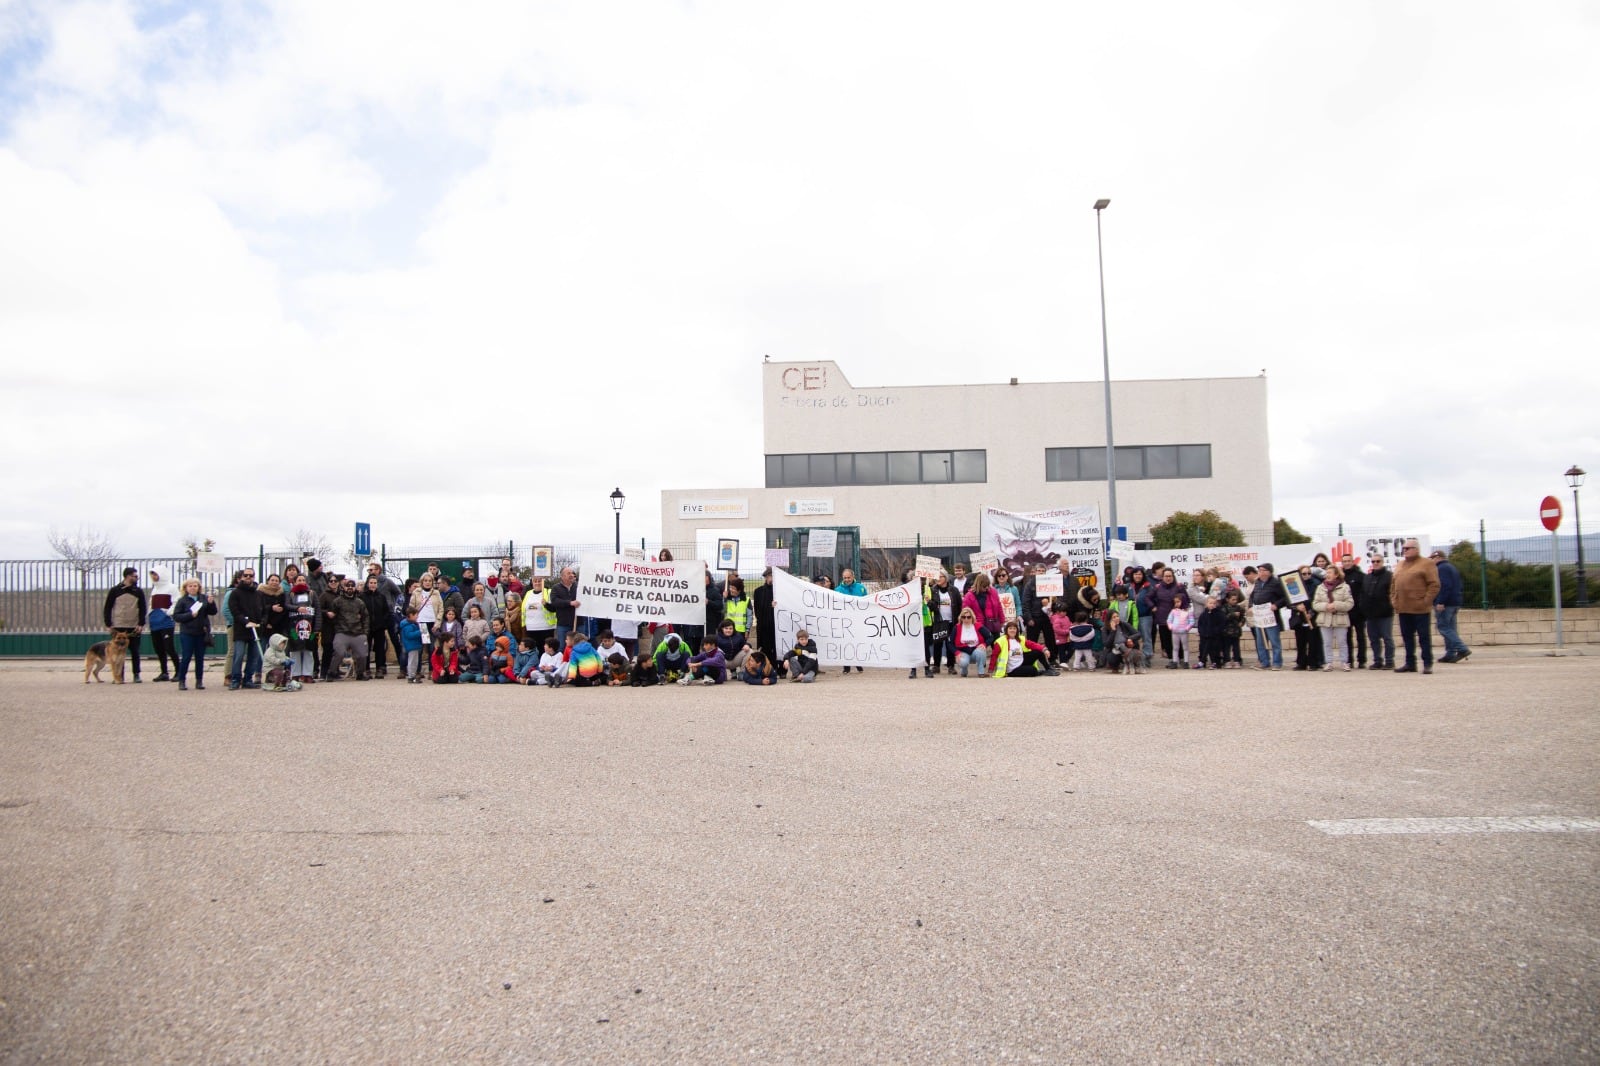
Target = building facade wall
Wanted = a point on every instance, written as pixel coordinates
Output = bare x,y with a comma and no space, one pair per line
813,408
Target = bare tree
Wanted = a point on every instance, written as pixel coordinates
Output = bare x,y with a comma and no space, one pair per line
88,551
193,546
307,544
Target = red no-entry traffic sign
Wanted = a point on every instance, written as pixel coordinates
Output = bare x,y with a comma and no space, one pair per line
1550,513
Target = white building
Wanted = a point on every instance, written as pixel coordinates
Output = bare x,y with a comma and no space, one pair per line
908,462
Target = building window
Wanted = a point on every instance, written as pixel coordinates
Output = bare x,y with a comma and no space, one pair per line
877,468
1139,463
971,465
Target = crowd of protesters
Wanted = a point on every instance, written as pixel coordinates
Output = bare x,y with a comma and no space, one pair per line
307,626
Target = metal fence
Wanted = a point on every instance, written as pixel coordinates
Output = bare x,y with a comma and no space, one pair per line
1504,566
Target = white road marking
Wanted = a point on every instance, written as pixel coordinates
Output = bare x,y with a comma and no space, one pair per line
1528,824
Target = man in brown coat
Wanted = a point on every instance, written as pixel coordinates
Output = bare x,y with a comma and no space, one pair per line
1416,583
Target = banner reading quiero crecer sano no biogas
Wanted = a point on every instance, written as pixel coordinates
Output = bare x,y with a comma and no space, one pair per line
878,629
615,586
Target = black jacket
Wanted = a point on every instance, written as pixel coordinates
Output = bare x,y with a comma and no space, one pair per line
1375,594
561,599
714,606
193,616
1357,582
247,607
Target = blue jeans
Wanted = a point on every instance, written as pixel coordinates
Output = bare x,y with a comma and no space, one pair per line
1445,617
245,652
1273,639
1417,629
1380,634
191,647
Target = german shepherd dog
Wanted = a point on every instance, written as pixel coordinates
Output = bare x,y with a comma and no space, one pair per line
112,653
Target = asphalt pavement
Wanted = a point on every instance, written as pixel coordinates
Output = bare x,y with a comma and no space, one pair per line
1180,867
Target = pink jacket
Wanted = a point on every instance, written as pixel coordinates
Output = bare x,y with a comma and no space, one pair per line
987,610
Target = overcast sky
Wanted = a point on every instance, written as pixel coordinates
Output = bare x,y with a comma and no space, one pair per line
459,270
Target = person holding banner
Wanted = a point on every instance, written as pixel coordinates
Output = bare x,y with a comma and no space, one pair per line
564,603
1267,598
1016,656
849,586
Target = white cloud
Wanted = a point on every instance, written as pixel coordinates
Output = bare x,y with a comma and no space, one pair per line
626,207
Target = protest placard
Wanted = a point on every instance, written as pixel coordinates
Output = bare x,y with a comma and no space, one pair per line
1050,584
879,629
543,560
929,566
822,543
210,562
1027,538
777,557
614,586
1294,587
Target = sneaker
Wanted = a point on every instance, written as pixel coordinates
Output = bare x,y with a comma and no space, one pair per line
708,681
1461,657
684,680
233,686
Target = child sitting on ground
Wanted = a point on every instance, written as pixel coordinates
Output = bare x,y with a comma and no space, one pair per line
672,659
757,670
710,667
477,663
446,663
278,666
617,667
801,659
500,672
643,674
552,669
1124,649
584,667
1080,637
526,664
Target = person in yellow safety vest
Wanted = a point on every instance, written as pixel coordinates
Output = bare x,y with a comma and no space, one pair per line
735,606
537,618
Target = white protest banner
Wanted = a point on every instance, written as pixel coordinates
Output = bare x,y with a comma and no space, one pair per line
1391,549
1050,583
1028,538
1231,561
928,566
614,586
879,629
822,543
984,563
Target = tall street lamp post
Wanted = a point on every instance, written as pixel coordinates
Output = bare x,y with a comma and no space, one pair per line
617,500
1105,352
1575,478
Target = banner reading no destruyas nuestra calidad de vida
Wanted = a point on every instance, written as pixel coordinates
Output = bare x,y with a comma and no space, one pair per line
617,587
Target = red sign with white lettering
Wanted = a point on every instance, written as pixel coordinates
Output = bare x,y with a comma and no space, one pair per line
1550,513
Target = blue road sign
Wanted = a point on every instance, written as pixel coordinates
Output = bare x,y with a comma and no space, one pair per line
363,538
